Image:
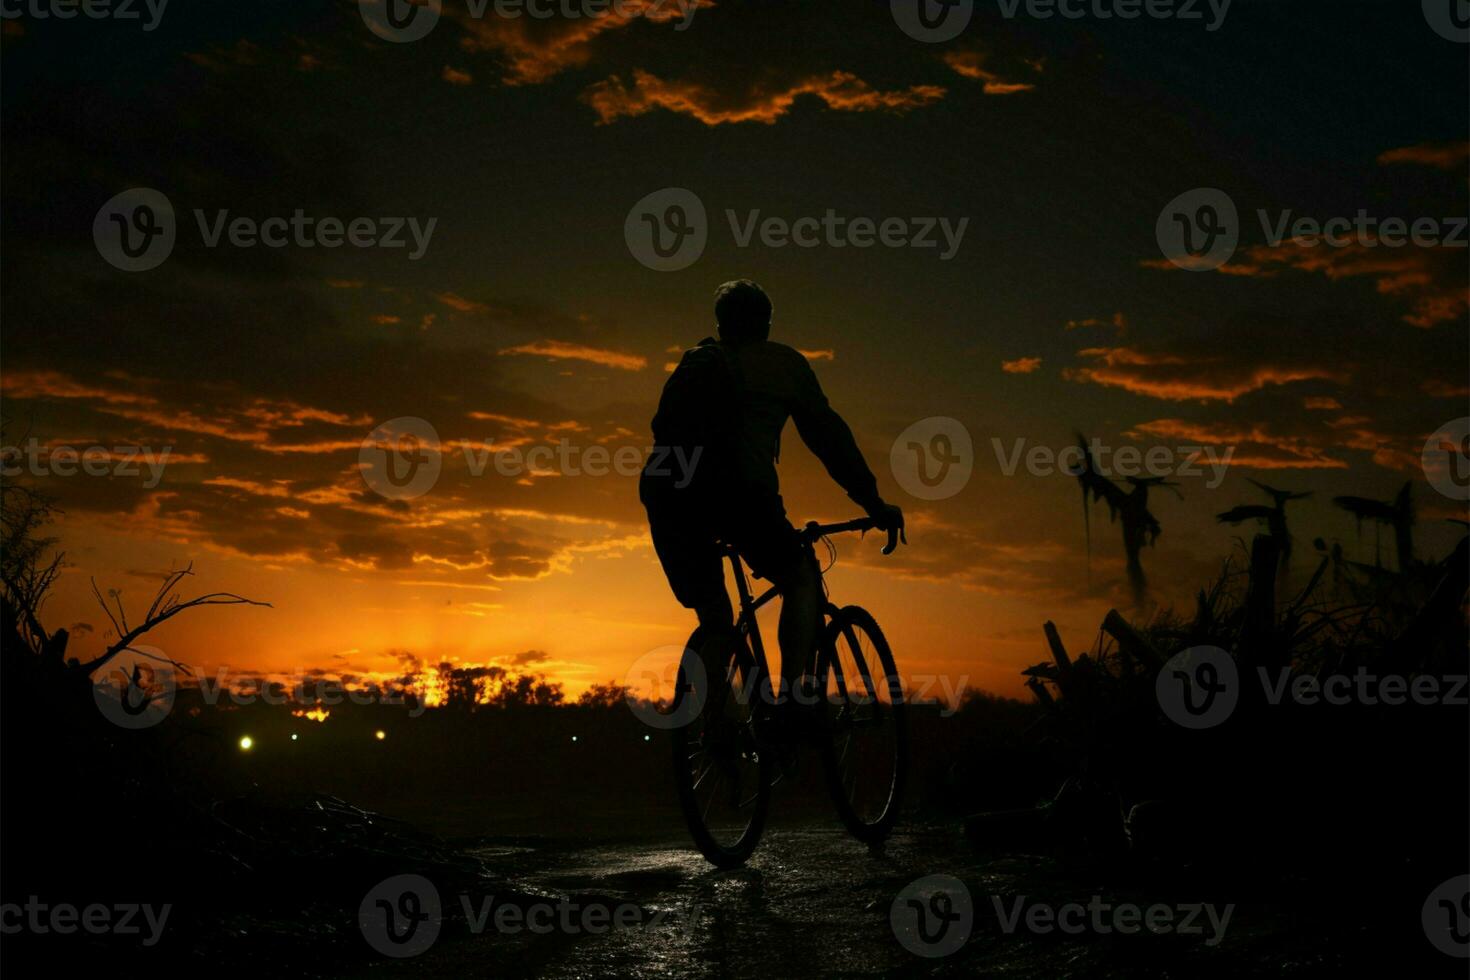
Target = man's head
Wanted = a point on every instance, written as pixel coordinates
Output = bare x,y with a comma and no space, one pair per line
743,311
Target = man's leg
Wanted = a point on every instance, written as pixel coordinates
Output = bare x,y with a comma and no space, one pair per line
694,565
717,641
801,618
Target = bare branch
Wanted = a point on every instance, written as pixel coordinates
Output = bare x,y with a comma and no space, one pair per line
160,612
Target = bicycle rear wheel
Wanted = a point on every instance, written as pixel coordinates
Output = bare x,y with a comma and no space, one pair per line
865,749
721,775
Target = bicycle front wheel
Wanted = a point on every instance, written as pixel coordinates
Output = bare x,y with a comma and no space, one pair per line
865,749
720,773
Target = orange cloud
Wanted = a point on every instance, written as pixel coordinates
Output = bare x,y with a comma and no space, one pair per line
1435,388
843,91
1431,279
1255,447
459,303
536,50
1021,365
1173,377
580,352
1117,321
54,384
1442,156
971,64
456,77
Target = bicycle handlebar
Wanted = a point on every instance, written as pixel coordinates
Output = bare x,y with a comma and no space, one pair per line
814,531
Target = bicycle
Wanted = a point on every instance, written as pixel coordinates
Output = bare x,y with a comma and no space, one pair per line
724,767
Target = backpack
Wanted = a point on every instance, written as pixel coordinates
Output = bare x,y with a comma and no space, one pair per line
696,428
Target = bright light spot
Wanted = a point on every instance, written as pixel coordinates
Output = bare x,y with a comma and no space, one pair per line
246,743
574,738
293,736
645,738
380,734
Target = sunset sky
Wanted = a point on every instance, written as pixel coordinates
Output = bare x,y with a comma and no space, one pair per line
528,319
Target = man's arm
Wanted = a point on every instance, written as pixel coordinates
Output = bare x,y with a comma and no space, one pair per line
830,439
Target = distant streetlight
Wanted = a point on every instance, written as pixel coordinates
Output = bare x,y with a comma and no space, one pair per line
380,734
246,743
293,736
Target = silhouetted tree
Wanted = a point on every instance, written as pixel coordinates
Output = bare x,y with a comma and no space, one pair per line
1130,508
1273,516
1399,515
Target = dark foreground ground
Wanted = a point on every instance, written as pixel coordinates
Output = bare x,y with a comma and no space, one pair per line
813,903
267,870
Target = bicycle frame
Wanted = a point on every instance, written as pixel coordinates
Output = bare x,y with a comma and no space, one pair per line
746,624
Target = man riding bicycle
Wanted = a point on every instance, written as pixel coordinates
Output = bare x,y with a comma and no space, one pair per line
722,411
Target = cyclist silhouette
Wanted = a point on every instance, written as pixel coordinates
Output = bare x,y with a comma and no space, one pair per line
721,415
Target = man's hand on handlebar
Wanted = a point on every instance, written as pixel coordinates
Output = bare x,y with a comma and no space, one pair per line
889,517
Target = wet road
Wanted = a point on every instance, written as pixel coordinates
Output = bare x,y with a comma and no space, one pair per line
812,902
815,903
